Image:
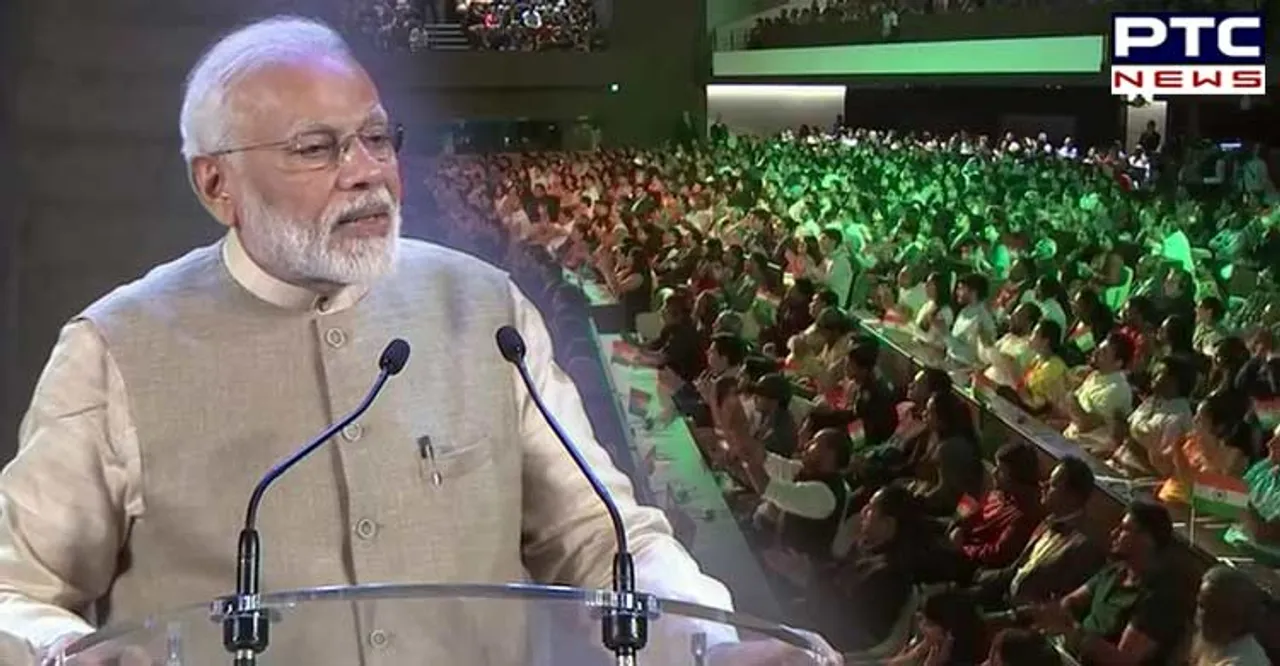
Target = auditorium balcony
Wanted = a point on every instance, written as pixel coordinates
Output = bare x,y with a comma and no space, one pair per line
849,22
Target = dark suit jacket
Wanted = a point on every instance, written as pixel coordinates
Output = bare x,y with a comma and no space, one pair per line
1053,577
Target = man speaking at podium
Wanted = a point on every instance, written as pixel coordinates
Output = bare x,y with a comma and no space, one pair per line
164,402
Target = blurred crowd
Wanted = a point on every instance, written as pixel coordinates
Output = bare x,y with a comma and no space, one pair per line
557,25
501,25
1134,313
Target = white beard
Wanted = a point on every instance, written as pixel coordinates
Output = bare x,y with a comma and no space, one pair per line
307,250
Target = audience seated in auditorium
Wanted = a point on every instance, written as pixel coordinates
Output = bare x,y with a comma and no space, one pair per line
1229,609
1222,442
991,534
1059,557
1044,384
1133,611
1104,399
1144,444
1259,532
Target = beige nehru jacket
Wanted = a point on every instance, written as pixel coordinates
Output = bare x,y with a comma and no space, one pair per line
165,401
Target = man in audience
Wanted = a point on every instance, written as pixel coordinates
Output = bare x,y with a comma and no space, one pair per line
1104,398
1060,556
1133,611
1228,608
992,536
772,427
1009,357
871,401
807,496
677,347
974,326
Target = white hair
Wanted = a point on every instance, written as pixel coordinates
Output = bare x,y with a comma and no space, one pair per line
205,121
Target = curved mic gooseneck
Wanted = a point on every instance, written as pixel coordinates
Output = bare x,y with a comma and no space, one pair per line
246,627
625,623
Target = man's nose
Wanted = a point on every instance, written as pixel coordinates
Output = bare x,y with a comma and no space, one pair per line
358,169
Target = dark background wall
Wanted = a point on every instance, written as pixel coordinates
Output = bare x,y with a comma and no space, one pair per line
97,189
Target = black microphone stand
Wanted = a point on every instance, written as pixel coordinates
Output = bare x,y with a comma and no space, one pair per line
624,622
246,625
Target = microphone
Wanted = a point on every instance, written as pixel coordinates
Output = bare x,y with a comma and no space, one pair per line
625,623
246,626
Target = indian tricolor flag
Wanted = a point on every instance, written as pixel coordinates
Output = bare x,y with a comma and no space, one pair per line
638,403
967,506
1219,495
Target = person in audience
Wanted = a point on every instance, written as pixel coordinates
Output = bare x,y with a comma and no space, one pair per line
725,357
1222,442
992,535
870,400
1227,361
1007,360
876,578
629,279
950,633
1052,300
1059,557
1210,325
1138,324
804,498
678,347
912,294
837,268
1144,444
1260,376
1229,606
1093,322
906,450
1133,611
974,325
770,424
1259,531
1019,647
1103,400
1177,295
1018,289
935,318
1044,384
820,367
952,468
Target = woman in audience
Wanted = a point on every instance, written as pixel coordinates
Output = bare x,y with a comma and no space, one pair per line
629,280
1045,381
1093,323
1259,532
1228,360
1007,360
952,468
1159,424
1053,301
1138,323
875,581
935,318
1221,442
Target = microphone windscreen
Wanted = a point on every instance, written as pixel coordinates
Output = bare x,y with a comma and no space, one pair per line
510,344
394,357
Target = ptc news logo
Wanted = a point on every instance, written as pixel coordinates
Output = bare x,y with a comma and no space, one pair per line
1188,54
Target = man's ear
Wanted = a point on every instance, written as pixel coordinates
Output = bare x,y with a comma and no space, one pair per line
213,188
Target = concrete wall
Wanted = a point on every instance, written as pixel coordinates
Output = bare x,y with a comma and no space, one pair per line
99,191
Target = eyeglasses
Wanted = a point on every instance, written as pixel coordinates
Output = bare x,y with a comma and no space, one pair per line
325,149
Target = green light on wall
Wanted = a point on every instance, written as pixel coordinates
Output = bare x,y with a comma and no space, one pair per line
613,87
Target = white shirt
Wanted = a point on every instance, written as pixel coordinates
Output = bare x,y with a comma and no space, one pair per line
1014,347
88,423
807,499
1104,395
973,323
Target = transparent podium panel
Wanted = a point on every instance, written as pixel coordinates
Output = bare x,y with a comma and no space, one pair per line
460,625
